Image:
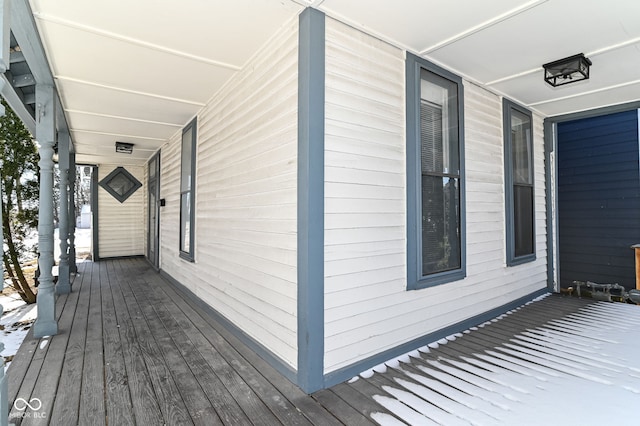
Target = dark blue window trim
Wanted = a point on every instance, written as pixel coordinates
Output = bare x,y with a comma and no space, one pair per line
415,279
189,255
512,260
120,173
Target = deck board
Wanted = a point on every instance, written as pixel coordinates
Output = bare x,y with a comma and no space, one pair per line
119,409
145,407
48,355
92,407
167,394
68,399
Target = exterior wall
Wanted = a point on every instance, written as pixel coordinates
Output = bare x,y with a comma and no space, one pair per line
367,307
598,198
246,202
121,225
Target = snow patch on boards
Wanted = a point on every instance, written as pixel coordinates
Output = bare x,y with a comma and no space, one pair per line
583,369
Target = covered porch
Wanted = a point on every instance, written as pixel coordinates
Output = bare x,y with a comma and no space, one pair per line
126,346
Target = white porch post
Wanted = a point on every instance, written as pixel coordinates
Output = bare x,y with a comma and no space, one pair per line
72,213
46,324
64,285
5,38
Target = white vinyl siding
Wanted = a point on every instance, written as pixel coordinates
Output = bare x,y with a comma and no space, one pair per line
246,200
121,227
367,307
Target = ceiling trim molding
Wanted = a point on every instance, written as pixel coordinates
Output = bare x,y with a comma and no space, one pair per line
486,24
310,3
135,92
119,117
134,41
590,92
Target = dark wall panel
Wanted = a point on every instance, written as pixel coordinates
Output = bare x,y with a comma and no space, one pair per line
598,198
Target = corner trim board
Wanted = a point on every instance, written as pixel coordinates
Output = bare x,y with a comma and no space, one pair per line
311,115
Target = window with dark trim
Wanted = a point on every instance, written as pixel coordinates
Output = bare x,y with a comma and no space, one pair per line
435,175
120,184
519,183
187,191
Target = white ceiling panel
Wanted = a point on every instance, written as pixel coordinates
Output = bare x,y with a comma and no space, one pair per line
133,67
421,24
127,127
613,96
606,73
229,31
85,97
553,30
91,146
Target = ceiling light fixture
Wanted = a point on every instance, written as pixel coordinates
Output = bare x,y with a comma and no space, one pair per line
568,70
124,147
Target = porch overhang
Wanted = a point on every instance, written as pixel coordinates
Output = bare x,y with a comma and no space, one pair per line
139,73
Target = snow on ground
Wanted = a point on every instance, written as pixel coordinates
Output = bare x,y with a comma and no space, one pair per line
16,321
581,370
18,317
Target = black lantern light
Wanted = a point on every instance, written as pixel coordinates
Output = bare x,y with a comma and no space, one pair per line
124,147
567,70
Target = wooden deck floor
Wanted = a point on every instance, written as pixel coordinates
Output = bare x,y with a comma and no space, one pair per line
134,350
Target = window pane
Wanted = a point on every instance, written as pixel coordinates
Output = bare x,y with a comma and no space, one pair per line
440,224
521,147
439,124
121,184
185,169
185,222
523,219
431,137
152,167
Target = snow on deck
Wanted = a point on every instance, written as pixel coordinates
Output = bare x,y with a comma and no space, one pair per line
533,366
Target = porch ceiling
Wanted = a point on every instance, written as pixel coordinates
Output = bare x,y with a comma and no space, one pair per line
138,71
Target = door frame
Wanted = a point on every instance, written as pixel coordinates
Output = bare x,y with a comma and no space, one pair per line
153,235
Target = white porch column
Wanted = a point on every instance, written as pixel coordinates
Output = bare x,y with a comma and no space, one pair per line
63,285
46,324
72,213
5,38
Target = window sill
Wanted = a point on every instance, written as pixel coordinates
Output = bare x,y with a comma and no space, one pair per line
187,257
521,260
436,279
